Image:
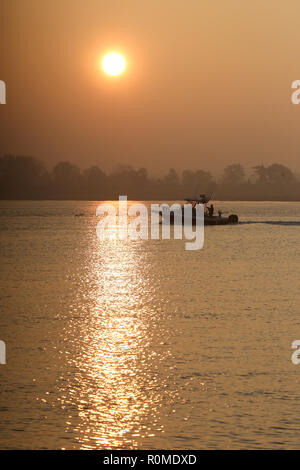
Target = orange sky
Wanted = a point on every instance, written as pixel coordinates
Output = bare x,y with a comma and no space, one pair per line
207,83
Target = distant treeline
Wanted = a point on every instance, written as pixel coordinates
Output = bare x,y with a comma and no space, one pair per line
24,177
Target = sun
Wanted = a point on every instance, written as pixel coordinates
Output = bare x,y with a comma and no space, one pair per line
113,63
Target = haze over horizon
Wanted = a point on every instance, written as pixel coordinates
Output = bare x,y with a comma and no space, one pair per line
206,84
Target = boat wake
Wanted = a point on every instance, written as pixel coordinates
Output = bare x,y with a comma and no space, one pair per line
288,223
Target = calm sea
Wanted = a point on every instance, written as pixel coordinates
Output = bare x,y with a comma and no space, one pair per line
142,344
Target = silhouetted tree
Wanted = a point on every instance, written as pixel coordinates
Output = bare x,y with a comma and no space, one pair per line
196,182
95,183
171,185
67,181
22,177
233,175
261,172
275,182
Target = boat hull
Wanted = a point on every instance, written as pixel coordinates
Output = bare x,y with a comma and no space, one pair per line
210,220
219,220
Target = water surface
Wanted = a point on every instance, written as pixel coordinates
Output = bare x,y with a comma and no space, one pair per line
142,344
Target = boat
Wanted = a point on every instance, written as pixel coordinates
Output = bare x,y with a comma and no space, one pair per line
209,213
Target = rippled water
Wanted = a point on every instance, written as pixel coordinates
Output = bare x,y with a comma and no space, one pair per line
141,344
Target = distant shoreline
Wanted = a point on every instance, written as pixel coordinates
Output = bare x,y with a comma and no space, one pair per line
145,200
26,178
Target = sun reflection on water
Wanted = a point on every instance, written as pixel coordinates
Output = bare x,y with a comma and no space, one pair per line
115,382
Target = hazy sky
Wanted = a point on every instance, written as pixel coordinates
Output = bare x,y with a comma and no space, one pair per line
207,83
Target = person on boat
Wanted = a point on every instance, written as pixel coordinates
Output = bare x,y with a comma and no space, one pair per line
211,210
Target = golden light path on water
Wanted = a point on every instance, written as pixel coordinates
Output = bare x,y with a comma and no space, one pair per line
117,393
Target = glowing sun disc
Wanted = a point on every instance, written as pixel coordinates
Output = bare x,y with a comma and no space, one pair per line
113,63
